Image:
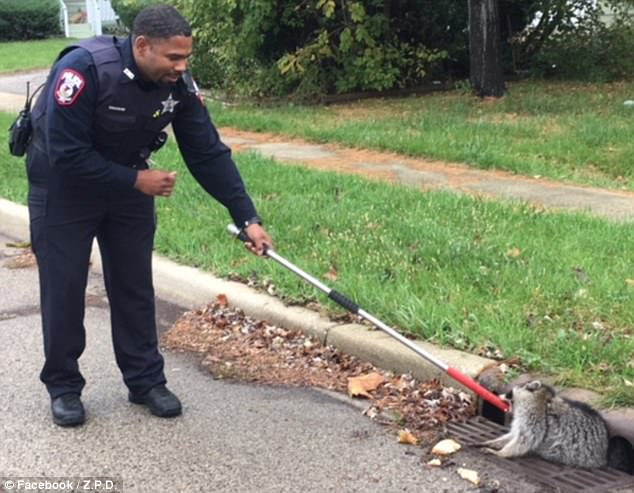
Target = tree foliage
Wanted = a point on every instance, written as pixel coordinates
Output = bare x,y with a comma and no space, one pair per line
315,47
128,9
582,40
572,38
320,46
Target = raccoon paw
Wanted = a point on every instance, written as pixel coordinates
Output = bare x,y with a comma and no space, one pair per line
489,450
488,445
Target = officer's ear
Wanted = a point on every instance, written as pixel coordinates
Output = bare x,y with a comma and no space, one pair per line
141,48
141,45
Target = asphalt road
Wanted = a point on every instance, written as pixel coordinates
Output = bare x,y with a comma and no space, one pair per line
231,437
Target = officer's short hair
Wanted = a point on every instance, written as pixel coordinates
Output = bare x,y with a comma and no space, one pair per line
160,22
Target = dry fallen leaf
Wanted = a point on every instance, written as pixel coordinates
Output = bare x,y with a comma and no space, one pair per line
469,475
446,447
18,244
222,300
364,384
331,274
403,383
581,274
434,463
514,252
405,436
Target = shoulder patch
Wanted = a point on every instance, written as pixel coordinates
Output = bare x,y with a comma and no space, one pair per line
69,86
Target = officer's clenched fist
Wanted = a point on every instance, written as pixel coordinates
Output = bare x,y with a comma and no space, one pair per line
156,182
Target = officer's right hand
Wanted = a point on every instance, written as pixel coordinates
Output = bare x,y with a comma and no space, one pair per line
156,182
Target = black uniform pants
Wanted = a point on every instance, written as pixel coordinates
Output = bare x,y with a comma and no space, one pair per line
65,217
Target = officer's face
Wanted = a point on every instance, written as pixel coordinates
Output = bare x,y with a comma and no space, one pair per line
162,60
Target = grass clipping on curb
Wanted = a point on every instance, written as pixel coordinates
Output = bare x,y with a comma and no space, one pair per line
237,347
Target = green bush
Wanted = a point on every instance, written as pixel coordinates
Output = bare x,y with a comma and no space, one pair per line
596,51
262,48
276,47
29,19
127,10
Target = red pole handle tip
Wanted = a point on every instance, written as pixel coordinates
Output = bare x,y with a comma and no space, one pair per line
486,394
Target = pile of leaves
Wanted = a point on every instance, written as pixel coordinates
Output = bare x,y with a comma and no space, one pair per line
237,347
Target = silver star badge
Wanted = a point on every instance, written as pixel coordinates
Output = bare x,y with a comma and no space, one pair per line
169,104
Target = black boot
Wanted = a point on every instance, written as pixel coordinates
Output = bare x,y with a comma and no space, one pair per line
159,400
68,410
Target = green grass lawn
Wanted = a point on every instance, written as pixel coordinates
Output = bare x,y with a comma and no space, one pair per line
13,185
555,290
25,55
580,133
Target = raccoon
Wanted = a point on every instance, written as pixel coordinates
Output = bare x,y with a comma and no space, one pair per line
554,428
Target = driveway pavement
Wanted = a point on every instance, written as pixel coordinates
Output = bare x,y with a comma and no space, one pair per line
13,88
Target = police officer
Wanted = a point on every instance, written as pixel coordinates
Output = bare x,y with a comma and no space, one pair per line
102,113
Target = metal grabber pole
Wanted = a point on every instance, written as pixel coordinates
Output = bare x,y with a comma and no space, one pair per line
350,305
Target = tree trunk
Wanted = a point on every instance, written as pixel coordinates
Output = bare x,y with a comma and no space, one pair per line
484,49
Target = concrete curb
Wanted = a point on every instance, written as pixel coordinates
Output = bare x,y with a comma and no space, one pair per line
191,287
381,350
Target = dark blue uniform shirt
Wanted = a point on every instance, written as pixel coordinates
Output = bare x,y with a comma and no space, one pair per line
85,141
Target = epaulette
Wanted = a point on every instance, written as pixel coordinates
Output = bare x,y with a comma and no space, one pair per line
190,83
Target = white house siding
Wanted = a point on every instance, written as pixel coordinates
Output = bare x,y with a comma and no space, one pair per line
107,14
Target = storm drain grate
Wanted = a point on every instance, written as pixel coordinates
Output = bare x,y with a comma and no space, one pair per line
566,479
